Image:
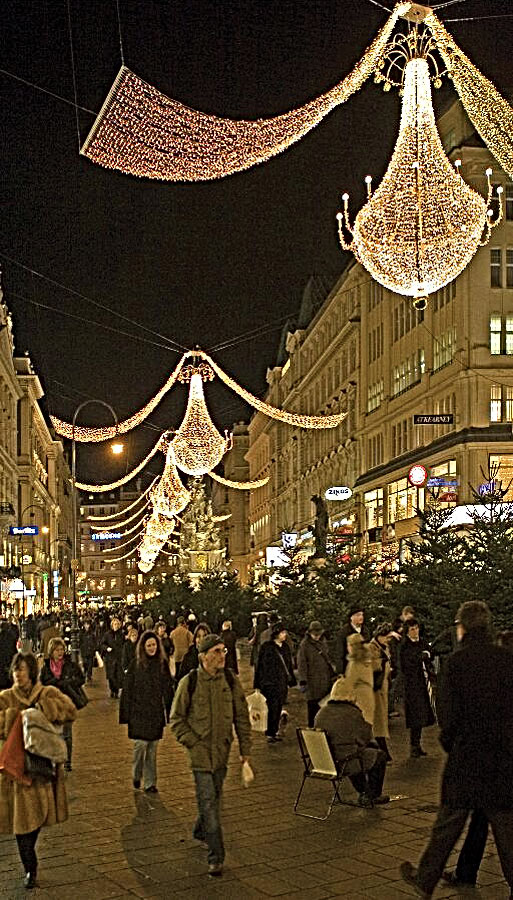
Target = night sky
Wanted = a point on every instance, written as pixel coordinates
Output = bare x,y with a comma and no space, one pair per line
198,263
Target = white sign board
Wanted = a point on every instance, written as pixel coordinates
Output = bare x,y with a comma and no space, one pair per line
338,493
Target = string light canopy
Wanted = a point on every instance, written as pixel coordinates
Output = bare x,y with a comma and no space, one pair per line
142,132
423,224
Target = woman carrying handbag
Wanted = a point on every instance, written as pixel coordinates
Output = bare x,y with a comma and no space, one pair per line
61,672
26,808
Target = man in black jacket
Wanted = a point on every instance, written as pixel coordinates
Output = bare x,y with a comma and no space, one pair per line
476,715
355,625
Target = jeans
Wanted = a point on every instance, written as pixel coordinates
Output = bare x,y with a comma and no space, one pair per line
145,762
27,850
209,787
446,831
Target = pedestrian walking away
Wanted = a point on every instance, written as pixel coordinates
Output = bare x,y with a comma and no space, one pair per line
26,808
111,649
87,649
191,658
230,641
476,717
315,669
209,704
145,697
182,640
274,676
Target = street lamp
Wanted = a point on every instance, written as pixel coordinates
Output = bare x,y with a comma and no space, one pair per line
116,449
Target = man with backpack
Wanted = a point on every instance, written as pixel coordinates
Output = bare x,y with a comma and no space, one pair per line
209,703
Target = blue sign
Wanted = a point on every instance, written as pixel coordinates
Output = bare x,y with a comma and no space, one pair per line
442,482
489,487
23,529
106,536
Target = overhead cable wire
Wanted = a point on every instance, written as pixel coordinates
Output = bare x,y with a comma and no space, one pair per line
376,3
112,312
43,90
447,3
61,312
121,53
256,332
478,18
72,54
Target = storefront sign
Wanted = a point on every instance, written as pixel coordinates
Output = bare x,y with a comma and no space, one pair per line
442,482
106,536
338,493
435,419
289,539
23,529
417,476
26,560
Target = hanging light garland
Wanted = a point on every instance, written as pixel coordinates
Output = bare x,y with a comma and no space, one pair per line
423,224
125,556
142,132
92,435
488,111
118,525
99,488
240,485
125,508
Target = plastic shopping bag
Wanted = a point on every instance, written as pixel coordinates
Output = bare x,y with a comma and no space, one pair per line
247,774
257,706
99,660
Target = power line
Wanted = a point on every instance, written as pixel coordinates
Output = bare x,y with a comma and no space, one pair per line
478,18
43,90
72,54
252,333
177,347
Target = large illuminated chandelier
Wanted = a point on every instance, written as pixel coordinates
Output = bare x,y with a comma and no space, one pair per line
423,224
198,447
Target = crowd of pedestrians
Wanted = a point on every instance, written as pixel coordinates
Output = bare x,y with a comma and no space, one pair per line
181,674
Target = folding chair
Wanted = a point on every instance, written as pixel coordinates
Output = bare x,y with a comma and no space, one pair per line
319,762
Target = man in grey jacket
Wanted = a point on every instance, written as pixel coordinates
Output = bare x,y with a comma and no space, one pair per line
208,705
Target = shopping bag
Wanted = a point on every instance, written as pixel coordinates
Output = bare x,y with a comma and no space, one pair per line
12,755
172,666
247,774
42,738
257,706
99,660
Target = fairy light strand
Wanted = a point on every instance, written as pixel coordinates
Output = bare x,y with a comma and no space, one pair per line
99,488
122,522
240,485
125,508
488,111
93,435
141,132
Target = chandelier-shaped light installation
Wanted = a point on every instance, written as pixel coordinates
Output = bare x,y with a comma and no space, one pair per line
142,132
423,225
170,496
198,447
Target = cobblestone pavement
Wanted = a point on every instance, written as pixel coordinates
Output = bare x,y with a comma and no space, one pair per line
119,843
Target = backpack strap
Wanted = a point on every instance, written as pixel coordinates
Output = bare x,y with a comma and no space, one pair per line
192,680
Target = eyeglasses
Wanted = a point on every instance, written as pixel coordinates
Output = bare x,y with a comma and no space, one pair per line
222,650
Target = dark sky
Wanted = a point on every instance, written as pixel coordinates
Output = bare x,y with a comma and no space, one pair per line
199,263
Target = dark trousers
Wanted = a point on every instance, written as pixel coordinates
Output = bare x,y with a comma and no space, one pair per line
446,831
313,708
371,781
274,707
27,850
67,734
88,664
472,851
415,736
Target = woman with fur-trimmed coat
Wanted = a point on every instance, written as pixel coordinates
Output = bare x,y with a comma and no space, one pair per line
25,809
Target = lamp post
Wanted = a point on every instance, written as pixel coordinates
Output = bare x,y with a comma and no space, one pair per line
116,449
23,628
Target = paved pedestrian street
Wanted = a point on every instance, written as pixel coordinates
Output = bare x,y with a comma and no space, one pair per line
119,843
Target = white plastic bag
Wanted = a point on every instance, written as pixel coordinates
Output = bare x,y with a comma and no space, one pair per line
99,660
247,774
172,666
257,706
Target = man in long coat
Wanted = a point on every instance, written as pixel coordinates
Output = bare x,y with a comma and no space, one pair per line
476,715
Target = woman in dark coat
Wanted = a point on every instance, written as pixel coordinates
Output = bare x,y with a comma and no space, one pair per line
112,651
128,654
191,659
147,693
87,649
274,676
230,642
415,666
61,672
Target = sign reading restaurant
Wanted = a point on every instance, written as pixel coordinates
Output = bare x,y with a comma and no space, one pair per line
338,493
434,419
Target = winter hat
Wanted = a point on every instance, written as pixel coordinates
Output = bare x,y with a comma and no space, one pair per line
276,629
342,690
355,608
315,627
209,641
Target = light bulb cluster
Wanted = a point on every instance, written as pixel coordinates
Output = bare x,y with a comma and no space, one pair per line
240,485
488,111
142,132
93,435
197,445
423,224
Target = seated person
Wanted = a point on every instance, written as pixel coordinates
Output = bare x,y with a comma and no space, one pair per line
349,733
